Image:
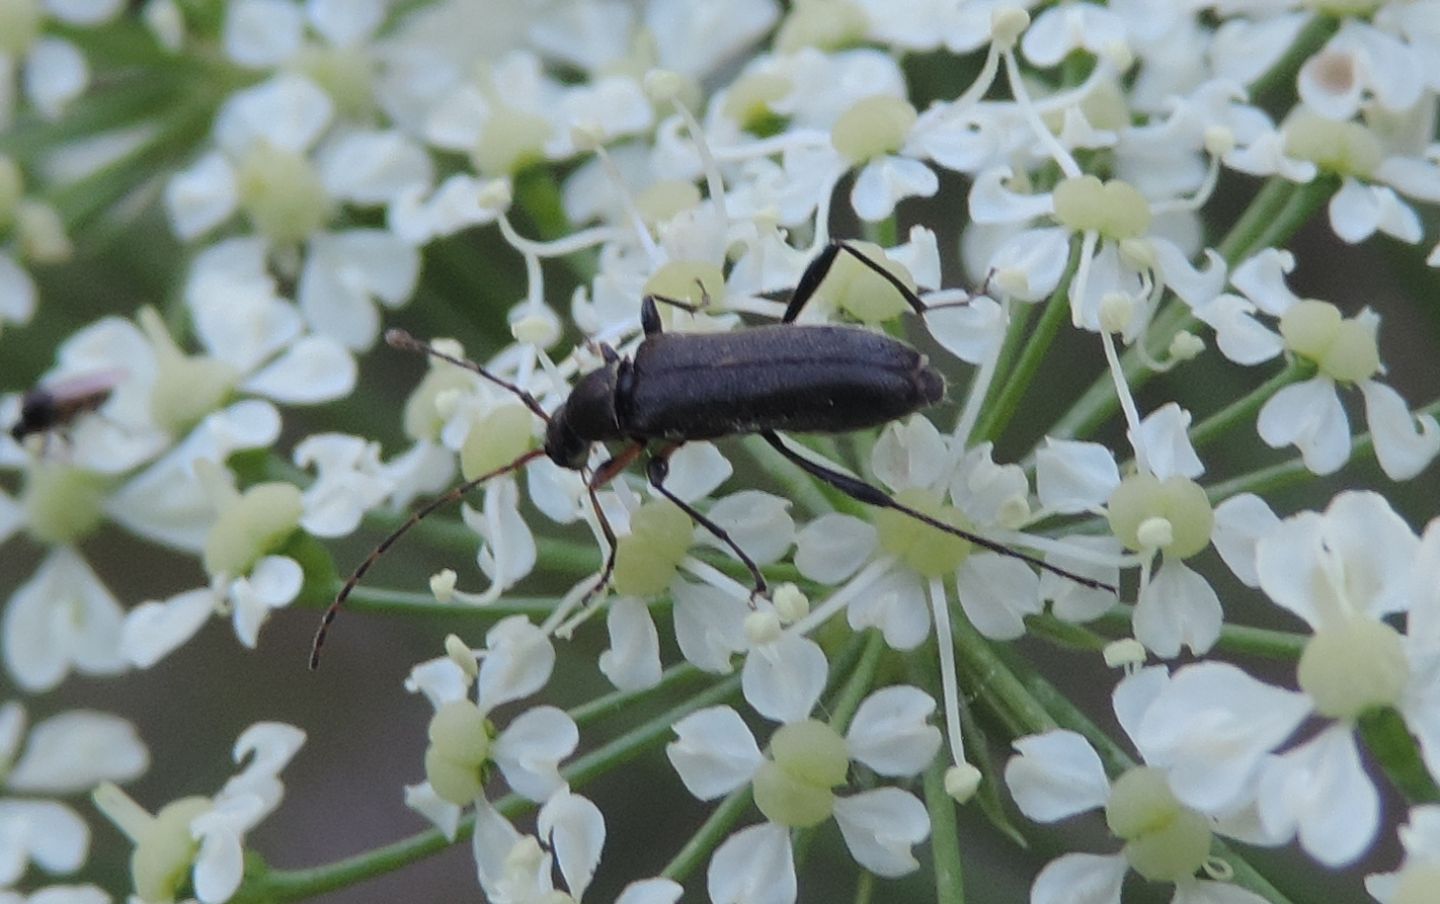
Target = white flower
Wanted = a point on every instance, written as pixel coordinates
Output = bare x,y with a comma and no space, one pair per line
203,838
714,753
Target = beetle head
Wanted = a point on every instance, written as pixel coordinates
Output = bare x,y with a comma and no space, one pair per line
587,417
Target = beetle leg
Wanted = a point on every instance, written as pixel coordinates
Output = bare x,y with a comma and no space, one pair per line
603,475
657,469
873,495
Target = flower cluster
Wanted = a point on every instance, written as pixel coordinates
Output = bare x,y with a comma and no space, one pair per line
796,629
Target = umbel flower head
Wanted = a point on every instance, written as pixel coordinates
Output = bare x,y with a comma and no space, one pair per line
841,392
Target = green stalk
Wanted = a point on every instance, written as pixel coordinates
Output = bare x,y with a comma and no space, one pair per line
1242,640
1244,408
1007,391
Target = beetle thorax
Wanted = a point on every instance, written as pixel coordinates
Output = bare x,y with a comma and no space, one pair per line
588,416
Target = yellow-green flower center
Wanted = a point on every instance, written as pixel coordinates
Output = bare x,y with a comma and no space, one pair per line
665,199
1172,515
1344,349
931,552
689,281
1345,148
748,102
345,73
187,387
497,439
164,852
872,127
62,503
458,753
1115,209
859,291
823,24
1165,841
1352,667
510,140
793,787
251,526
646,558
282,194
19,26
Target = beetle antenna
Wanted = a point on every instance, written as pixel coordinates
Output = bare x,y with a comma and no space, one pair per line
398,338
454,495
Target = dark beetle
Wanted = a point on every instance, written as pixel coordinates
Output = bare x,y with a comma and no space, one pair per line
680,387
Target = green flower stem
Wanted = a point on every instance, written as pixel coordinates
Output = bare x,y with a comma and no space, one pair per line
986,677
708,837
1010,387
1116,761
797,485
1394,748
1276,213
1065,634
1244,408
617,701
944,836
1241,640
292,885
865,889
386,601
861,680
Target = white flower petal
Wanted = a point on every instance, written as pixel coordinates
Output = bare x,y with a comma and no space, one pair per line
709,625
518,662
1080,879
202,196
154,630
49,833
1165,437
1057,774
576,831
445,815
531,747
757,521
696,471
1404,443
440,680
262,33
345,22
895,603
886,181
833,546
373,168
880,827
63,617
997,592
633,660
1240,522
288,112
315,369
55,74
713,752
1178,608
783,680
75,751
889,732
753,866
909,454
1321,791
1309,416
1073,477
651,891
970,332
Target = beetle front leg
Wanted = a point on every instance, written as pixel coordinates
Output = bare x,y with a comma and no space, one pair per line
873,495
603,475
657,469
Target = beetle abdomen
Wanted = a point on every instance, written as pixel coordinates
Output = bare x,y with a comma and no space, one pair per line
807,379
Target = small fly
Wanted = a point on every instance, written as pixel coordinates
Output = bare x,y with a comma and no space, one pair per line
57,405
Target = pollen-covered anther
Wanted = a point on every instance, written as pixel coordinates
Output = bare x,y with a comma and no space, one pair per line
1007,24
962,781
537,330
873,127
1124,653
663,86
1219,140
1156,533
1344,349
459,652
791,604
1165,841
762,627
1115,209
1353,666
793,787
1116,310
1186,346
